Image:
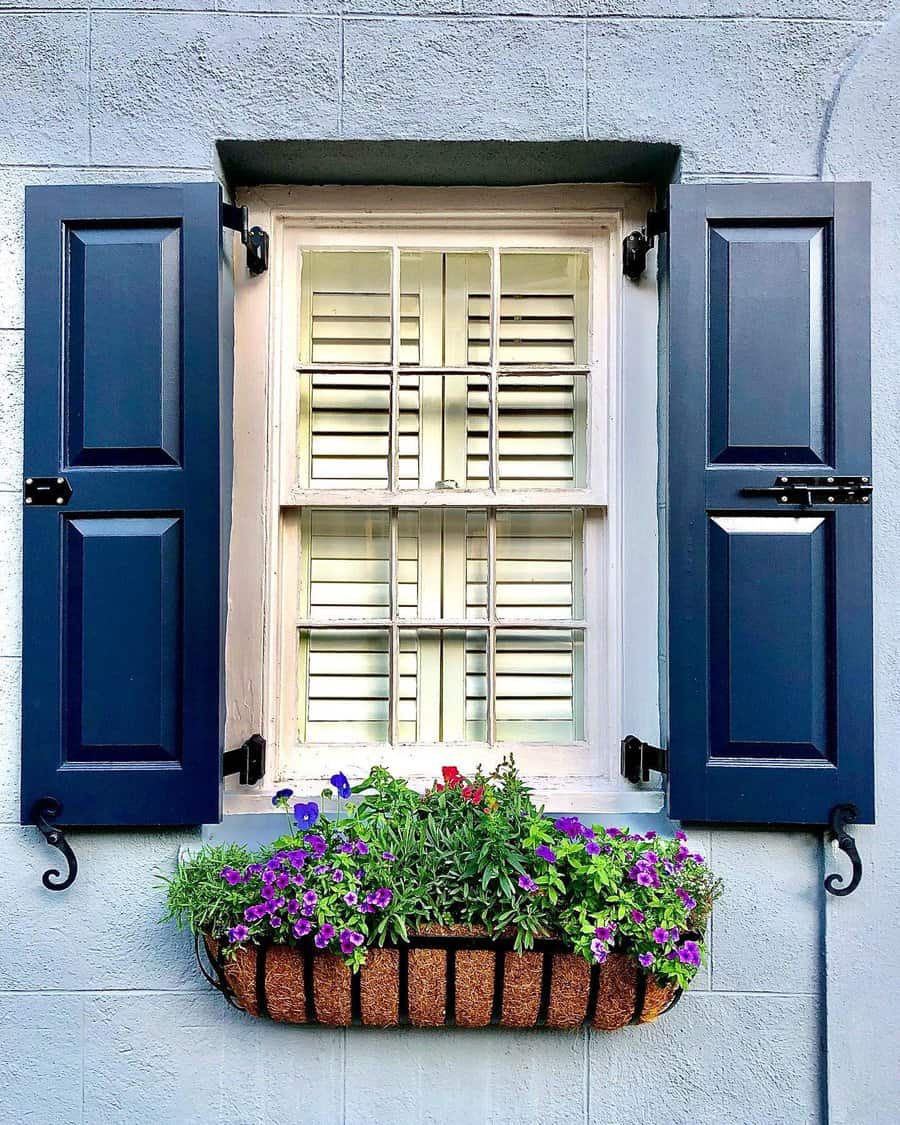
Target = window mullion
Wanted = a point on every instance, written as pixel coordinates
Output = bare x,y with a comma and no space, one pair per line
394,646
492,626
394,396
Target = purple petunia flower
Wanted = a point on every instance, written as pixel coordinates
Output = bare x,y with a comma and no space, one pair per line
316,845
267,893
306,815
231,876
646,959
254,869
293,907
346,848
660,936
698,859
361,847
281,881
297,858
571,826
366,908
381,898
282,795
592,847
604,933
269,876
543,852
350,898
689,903
389,856
614,832
310,898
322,869
350,939
674,934
320,940
337,876
637,916
274,921
340,782
301,928
298,880
679,835
672,956
651,835
238,933
527,883
651,857
689,954
599,951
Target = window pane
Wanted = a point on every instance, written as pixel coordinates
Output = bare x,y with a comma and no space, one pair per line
345,307
543,308
442,564
443,685
344,433
443,431
540,685
445,309
542,421
539,565
344,689
346,564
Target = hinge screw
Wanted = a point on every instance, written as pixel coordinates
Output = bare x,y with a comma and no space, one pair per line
784,499
829,480
865,499
29,480
865,480
28,500
830,499
784,480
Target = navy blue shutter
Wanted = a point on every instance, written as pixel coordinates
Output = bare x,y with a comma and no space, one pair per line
127,396
769,604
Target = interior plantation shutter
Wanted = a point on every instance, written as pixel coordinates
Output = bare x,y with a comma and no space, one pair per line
127,404
769,592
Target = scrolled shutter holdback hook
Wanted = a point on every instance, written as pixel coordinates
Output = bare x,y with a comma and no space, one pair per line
841,816
43,812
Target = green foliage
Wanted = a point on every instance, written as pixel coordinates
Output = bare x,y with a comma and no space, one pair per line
468,851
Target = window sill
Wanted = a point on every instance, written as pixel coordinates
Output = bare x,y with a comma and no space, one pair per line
600,801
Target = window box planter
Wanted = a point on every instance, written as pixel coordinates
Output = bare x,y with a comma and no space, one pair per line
444,976
464,906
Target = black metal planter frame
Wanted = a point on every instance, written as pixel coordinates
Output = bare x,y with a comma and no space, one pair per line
450,945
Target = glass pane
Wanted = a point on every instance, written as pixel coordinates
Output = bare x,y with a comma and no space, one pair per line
445,309
346,564
542,421
345,307
543,308
344,430
443,685
443,431
539,567
442,564
540,685
344,688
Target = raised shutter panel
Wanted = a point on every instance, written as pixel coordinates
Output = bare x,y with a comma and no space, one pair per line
127,396
769,603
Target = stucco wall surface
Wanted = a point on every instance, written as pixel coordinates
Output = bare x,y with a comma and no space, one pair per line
102,1016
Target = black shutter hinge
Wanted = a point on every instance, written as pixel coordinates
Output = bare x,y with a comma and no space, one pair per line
640,242
638,758
248,761
254,238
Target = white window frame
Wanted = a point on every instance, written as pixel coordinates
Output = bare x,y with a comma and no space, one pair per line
620,603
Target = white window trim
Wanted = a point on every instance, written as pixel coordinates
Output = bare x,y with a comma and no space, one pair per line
627,596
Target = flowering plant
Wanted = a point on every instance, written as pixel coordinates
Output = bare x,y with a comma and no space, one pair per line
468,851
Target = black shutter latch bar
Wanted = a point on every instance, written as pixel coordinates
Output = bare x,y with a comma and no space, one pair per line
638,758
248,761
639,243
816,490
43,812
254,238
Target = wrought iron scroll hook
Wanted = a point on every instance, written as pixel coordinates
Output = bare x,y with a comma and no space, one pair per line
43,813
841,816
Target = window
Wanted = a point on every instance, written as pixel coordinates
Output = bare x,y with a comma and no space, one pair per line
442,521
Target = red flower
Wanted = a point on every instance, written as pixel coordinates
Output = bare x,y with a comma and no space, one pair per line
473,795
452,777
